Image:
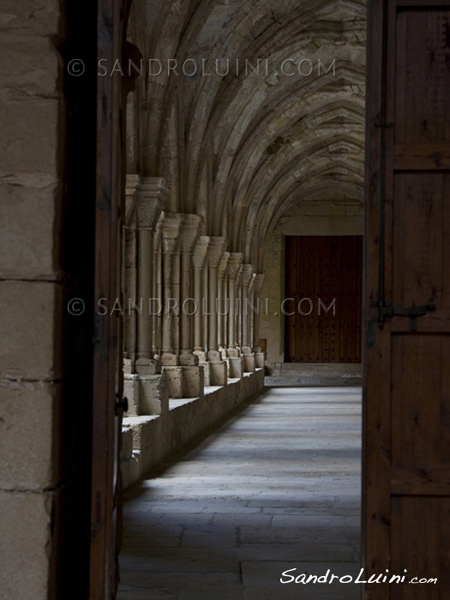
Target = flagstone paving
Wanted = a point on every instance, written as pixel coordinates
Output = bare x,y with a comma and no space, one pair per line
276,488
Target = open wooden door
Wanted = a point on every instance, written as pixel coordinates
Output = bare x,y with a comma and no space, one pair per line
406,495
107,389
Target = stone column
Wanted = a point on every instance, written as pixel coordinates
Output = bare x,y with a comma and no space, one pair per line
245,284
223,304
218,369
235,360
150,198
157,308
199,259
145,386
192,375
239,311
188,237
257,289
170,230
129,274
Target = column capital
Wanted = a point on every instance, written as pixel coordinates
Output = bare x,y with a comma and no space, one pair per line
200,250
170,230
189,230
258,283
223,264
215,251
131,182
247,275
151,195
234,264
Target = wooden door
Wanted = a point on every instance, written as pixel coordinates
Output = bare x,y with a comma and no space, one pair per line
323,299
107,388
406,489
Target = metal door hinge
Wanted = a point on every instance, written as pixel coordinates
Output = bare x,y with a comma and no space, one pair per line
121,405
386,313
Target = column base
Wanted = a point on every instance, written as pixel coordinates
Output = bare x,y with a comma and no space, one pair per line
147,394
170,360
233,352
147,366
188,359
218,373
236,367
185,382
201,355
260,360
249,363
205,365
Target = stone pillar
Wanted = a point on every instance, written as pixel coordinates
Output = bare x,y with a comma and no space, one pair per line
150,198
144,386
235,360
157,308
257,289
192,375
245,284
223,304
188,237
218,368
199,259
170,230
129,275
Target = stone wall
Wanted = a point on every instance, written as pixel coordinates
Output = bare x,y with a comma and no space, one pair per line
311,218
147,441
41,412
29,117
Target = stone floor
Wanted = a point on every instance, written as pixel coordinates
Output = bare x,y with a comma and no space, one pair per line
276,488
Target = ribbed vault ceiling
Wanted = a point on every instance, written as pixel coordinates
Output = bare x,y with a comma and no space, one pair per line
242,150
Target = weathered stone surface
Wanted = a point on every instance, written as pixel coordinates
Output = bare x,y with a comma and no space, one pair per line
27,434
226,504
29,321
25,545
27,221
28,146
153,395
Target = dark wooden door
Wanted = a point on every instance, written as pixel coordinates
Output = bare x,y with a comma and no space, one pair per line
406,496
107,388
323,299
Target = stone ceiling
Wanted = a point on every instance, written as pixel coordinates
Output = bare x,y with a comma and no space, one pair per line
243,148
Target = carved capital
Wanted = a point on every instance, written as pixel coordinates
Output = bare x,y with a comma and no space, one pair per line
247,275
190,225
223,264
170,230
215,250
200,250
151,195
234,264
258,283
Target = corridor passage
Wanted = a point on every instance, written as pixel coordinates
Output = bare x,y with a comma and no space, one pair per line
276,488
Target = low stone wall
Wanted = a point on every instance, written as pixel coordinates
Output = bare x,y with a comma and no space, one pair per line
313,374
147,441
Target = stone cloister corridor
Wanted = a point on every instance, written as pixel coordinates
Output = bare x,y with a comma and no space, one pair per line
275,488
212,210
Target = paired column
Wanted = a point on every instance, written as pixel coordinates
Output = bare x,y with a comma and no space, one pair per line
129,273
235,360
258,284
144,385
223,304
200,295
218,368
170,231
150,198
181,365
247,310
189,232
